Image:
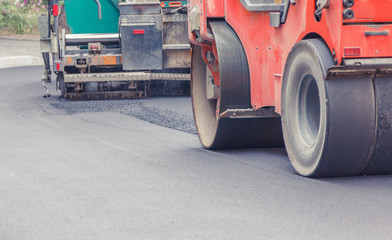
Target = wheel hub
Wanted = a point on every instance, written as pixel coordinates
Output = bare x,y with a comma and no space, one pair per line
308,109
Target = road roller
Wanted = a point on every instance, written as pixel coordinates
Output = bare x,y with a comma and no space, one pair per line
314,76
105,49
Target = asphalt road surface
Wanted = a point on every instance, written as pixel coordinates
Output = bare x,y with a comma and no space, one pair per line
134,169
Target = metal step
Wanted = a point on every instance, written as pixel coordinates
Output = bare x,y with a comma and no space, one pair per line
124,76
250,113
105,77
264,5
185,46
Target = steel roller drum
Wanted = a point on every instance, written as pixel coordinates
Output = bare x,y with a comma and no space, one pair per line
214,131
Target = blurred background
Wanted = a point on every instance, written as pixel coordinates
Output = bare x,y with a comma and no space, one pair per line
19,17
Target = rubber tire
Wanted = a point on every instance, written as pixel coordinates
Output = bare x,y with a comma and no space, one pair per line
62,84
381,161
91,87
328,125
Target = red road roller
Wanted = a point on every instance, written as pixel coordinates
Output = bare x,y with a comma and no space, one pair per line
314,76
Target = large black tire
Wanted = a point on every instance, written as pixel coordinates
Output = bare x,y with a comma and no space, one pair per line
62,84
381,161
234,92
328,125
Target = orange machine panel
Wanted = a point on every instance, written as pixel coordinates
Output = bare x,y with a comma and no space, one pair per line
267,47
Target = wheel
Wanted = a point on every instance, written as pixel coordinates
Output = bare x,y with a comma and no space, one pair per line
233,91
91,87
62,84
381,161
328,125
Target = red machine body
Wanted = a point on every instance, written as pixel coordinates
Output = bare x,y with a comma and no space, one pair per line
267,47
314,76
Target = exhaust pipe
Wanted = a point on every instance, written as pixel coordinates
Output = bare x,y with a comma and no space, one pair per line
99,9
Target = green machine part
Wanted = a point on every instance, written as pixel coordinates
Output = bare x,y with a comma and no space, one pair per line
82,16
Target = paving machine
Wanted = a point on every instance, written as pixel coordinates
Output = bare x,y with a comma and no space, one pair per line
313,75
116,48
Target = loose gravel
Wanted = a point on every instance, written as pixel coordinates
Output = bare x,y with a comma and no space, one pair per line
149,110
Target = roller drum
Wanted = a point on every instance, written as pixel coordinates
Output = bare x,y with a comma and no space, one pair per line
234,92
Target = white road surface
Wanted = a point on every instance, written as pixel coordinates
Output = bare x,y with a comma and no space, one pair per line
111,170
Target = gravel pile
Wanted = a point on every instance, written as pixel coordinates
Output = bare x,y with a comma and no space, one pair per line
151,110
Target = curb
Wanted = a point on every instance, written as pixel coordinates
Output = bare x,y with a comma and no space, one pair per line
19,38
20,61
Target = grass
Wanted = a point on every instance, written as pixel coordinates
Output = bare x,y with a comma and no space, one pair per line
20,16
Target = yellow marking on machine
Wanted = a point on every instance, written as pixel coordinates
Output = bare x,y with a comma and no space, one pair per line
110,60
69,60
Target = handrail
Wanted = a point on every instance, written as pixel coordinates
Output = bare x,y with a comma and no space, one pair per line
99,9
